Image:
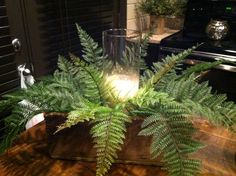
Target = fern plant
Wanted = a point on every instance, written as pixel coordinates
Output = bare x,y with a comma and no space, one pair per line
167,101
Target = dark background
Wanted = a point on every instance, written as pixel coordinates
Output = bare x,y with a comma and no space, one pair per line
45,29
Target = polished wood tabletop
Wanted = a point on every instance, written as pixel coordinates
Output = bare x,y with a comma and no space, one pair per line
29,157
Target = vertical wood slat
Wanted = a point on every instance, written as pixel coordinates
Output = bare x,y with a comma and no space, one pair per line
53,31
8,70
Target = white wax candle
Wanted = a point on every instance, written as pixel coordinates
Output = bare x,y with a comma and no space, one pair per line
125,86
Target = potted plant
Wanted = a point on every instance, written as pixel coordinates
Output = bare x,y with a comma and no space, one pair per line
159,9
167,104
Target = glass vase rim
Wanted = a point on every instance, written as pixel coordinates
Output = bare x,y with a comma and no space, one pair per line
135,34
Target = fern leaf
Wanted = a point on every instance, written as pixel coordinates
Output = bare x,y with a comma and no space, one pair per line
51,97
160,69
218,116
66,66
166,100
171,137
148,98
7,104
92,53
108,133
93,84
198,68
11,99
15,123
86,112
199,100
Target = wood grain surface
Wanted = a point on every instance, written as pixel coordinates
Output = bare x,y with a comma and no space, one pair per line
219,154
29,156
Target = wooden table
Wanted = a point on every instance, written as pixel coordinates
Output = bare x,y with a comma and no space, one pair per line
29,157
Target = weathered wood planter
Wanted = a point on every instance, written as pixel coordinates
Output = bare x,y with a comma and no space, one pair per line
76,142
218,157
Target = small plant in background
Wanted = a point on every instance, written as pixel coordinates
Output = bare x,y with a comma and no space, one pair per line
163,7
166,101
164,13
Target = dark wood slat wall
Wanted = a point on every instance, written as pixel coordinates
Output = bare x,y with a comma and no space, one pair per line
53,31
9,79
47,29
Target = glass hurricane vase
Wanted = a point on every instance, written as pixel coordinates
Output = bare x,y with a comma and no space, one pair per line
122,49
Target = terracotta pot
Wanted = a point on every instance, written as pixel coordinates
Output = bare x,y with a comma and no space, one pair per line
157,24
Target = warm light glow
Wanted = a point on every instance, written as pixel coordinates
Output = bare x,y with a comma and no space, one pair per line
125,86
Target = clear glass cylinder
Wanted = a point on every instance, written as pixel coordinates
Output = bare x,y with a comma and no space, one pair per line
122,48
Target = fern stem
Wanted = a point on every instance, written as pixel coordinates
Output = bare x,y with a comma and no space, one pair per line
158,76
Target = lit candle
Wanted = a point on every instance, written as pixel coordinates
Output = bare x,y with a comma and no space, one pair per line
124,86
122,49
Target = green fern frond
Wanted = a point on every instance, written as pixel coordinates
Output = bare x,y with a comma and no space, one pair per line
68,81
45,96
92,80
171,137
93,84
229,110
160,69
188,167
77,61
184,89
15,123
198,68
66,66
200,101
49,93
217,115
92,52
148,98
108,132
85,112
7,104
51,96
166,100
9,100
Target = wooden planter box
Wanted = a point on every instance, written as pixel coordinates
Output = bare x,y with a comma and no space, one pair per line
76,143
218,157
